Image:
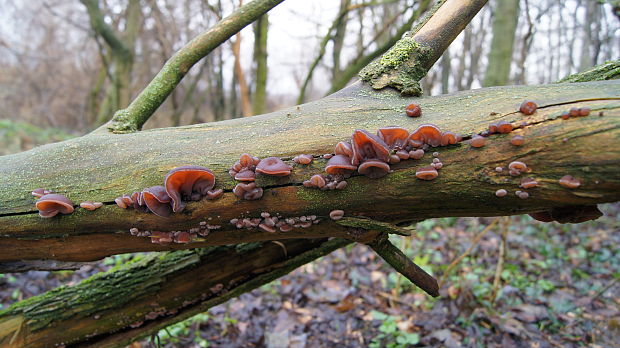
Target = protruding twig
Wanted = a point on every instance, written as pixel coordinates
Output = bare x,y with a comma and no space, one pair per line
403,265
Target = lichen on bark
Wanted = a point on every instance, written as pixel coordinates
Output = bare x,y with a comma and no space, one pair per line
607,71
402,68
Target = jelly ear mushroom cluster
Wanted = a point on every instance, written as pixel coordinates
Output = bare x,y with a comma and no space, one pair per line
157,200
244,169
52,204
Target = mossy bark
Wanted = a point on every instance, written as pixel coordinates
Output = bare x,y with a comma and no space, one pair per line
103,166
135,300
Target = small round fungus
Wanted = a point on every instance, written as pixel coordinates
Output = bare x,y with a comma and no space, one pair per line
517,140
523,194
416,154
517,166
214,194
413,110
336,214
273,166
499,169
574,112
569,182
303,159
527,183
584,111
316,180
565,116
477,141
450,138
426,173
501,193
88,205
40,192
374,169
52,204
504,127
528,107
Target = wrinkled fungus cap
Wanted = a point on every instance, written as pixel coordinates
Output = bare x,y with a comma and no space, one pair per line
394,137
368,146
273,166
426,134
157,200
51,204
340,164
344,148
182,182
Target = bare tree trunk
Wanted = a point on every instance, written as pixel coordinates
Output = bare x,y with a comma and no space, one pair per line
260,59
505,21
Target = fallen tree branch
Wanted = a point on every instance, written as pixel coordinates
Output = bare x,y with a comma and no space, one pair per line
102,167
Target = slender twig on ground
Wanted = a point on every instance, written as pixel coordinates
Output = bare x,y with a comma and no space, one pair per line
500,258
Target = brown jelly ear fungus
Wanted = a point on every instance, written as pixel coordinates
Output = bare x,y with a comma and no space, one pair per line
273,166
157,200
52,204
244,169
188,183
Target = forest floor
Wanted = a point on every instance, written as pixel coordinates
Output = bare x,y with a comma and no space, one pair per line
555,286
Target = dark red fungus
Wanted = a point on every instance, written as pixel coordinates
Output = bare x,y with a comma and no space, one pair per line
576,214
478,141
88,205
188,183
543,216
51,204
569,182
303,159
584,111
574,112
157,200
517,140
343,148
504,127
426,134
374,168
248,191
340,164
492,128
426,173
368,146
565,116
273,166
413,110
528,107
